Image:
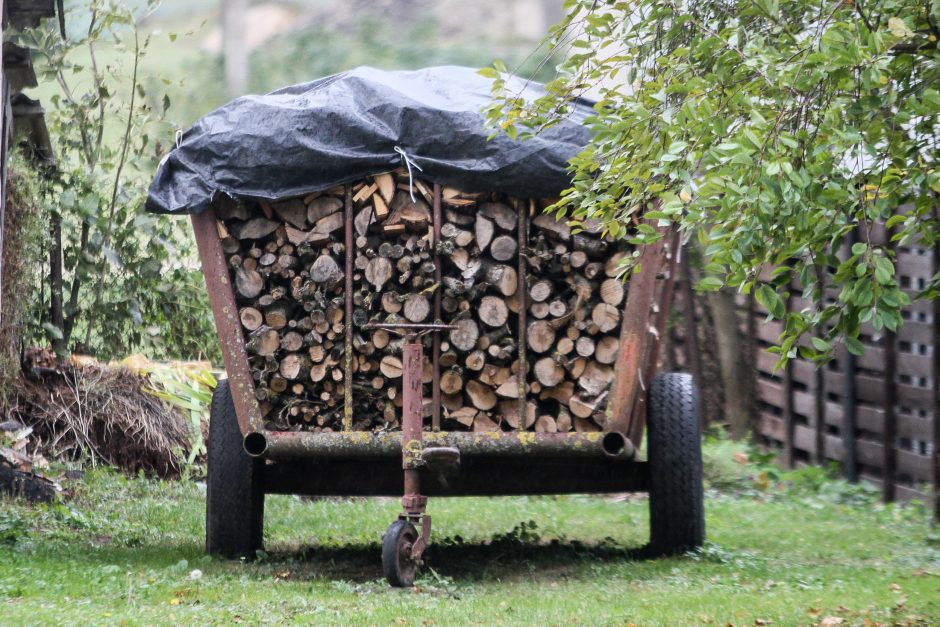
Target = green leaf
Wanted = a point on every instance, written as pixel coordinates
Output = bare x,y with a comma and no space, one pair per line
709,284
771,301
821,345
854,346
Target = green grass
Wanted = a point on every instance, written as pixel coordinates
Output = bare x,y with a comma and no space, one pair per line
124,551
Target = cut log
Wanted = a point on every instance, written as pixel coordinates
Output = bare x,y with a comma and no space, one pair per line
263,341
540,336
548,372
294,366
250,317
294,212
417,308
330,223
386,185
595,378
325,270
463,415
545,424
277,314
503,248
483,231
509,388
256,228
503,278
508,412
483,422
451,382
555,228
580,407
476,360
606,349
503,215
292,342
391,303
321,207
606,317
540,290
464,337
248,283
391,366
378,272
612,292
481,396
561,393
585,346
493,311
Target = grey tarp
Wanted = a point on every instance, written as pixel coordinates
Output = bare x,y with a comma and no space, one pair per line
313,136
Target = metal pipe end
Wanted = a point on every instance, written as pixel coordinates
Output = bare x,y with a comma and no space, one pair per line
616,444
255,444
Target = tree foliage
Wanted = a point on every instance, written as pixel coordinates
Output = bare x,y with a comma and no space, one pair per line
772,131
119,280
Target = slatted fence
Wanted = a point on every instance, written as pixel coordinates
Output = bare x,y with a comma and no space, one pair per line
876,414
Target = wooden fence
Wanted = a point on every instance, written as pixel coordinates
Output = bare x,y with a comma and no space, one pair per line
878,414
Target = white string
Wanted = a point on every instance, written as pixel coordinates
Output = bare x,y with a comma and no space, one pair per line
408,164
179,137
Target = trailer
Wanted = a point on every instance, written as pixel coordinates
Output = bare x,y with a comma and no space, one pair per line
419,454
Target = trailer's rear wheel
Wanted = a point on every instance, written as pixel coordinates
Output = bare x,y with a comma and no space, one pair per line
234,492
677,511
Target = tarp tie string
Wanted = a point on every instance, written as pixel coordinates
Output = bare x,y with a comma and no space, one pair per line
408,164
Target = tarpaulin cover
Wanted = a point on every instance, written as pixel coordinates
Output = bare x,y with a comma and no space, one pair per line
341,128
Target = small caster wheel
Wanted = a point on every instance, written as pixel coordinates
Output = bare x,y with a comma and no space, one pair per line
399,567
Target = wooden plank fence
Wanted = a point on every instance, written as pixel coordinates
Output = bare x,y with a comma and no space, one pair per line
876,414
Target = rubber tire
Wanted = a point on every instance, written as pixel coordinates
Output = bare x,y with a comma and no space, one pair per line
234,489
677,509
398,574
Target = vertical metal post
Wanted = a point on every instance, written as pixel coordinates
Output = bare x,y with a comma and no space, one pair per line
411,418
436,338
347,359
634,342
522,241
890,455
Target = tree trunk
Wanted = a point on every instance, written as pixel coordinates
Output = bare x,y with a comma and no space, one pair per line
56,313
735,375
234,46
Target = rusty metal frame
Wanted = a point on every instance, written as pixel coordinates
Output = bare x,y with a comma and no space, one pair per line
635,338
348,348
668,262
346,444
635,347
227,323
436,338
522,241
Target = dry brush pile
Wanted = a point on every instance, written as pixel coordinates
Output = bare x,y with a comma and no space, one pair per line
546,284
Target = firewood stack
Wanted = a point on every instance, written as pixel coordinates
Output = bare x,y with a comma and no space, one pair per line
288,267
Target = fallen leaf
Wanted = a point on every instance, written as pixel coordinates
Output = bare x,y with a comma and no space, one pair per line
831,621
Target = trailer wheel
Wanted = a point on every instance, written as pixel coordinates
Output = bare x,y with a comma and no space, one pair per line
677,511
234,492
400,569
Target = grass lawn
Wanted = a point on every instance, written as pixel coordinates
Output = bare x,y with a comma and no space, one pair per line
129,551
